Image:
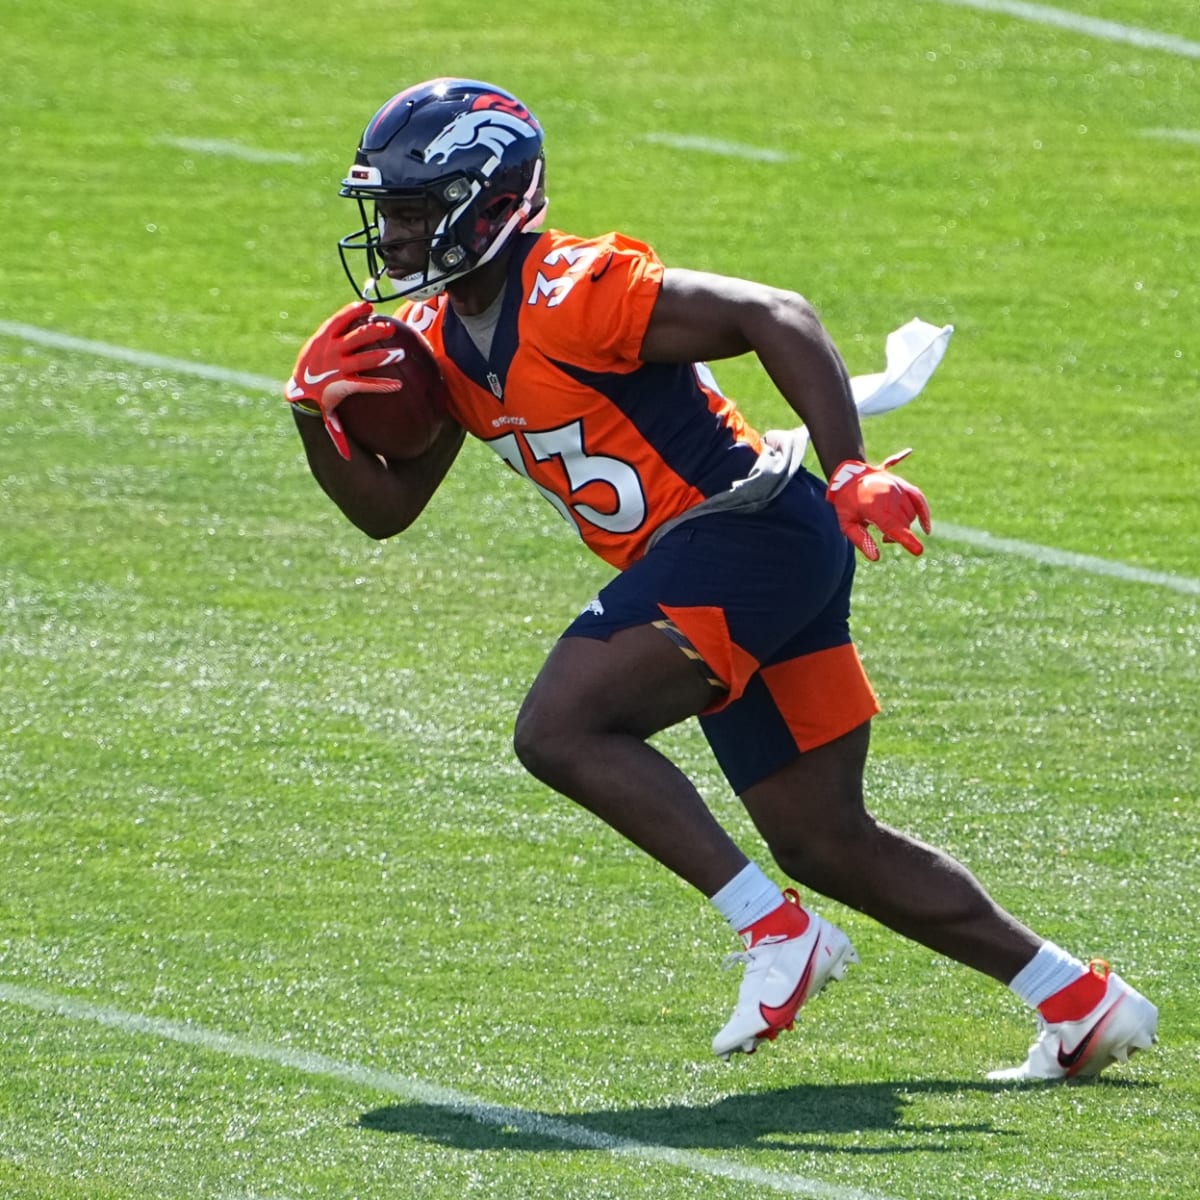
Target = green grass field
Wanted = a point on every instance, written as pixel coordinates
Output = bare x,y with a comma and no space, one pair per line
281,917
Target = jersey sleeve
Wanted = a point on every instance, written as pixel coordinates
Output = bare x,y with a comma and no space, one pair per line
603,305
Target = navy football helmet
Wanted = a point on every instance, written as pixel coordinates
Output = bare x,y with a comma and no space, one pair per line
471,155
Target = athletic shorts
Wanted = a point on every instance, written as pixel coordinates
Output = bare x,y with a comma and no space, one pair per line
764,598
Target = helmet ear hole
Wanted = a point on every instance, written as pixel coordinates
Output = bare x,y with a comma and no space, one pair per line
499,207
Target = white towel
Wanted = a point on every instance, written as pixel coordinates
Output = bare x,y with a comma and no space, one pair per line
913,353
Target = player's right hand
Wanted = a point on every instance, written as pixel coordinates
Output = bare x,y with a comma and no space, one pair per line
864,495
330,367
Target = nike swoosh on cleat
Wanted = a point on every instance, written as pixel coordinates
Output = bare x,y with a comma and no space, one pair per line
1069,1059
1072,1060
778,1015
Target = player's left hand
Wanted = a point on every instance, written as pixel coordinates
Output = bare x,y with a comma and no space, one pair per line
864,495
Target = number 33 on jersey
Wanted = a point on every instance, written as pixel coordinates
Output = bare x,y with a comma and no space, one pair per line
616,445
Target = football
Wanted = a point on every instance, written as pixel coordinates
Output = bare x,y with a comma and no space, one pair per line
402,424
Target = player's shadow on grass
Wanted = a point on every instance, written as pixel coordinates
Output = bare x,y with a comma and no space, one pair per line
794,1118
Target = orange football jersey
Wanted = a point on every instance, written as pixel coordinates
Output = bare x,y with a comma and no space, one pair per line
617,445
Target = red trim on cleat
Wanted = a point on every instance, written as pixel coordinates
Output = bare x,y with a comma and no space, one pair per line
1078,998
787,920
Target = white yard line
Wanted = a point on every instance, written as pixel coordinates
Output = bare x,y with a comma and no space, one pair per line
707,145
418,1091
53,340
1109,31
224,149
1192,136
1049,556
978,538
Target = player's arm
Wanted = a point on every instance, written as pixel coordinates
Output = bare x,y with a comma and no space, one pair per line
382,499
698,317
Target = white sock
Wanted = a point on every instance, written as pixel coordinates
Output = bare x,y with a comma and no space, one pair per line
747,897
1050,970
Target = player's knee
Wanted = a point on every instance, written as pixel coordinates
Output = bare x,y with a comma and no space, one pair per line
541,747
830,857
527,743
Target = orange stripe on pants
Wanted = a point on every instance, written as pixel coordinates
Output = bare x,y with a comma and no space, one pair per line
708,632
823,695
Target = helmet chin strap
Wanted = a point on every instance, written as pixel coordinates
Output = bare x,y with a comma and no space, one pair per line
424,290
431,289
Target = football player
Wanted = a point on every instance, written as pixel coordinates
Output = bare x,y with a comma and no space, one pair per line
581,362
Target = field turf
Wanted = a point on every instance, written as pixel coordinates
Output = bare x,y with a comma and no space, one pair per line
280,915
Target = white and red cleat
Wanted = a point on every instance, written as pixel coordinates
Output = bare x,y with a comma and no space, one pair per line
1119,1022
790,956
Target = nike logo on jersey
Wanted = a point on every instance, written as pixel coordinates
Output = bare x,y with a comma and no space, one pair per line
309,377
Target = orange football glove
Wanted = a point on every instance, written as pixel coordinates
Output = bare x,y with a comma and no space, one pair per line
864,495
330,365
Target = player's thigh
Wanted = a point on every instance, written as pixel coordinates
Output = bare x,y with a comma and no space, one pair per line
635,681
621,664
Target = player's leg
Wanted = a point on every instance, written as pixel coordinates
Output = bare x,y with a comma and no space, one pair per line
583,728
792,740
717,595
812,815
811,812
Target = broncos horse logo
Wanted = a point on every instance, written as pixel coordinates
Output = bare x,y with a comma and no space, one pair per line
491,128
